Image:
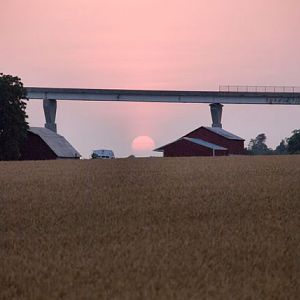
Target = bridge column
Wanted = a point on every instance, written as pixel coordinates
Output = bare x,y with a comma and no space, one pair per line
216,114
50,113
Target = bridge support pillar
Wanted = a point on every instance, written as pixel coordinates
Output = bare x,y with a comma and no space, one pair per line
216,114
50,113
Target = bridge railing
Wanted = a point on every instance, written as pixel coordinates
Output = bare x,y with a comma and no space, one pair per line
259,89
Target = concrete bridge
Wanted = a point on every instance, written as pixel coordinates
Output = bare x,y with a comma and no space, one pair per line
226,95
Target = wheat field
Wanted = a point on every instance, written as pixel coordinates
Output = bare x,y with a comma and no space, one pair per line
153,228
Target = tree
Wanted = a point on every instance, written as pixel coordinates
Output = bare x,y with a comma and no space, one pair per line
13,125
258,145
282,148
293,146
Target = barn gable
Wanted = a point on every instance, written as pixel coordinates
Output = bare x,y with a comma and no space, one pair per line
212,138
215,130
224,133
192,147
43,143
58,144
204,144
219,136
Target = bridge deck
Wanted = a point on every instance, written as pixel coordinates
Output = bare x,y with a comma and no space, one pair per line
225,97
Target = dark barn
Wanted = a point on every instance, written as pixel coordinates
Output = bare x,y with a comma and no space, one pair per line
205,141
192,147
44,144
221,137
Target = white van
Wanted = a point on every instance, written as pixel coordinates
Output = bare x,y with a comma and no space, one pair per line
103,154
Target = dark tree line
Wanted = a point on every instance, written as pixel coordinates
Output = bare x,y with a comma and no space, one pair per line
13,125
289,145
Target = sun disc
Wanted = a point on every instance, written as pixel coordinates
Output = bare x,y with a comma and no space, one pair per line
143,143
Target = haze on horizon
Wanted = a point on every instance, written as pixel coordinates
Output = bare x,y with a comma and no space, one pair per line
152,44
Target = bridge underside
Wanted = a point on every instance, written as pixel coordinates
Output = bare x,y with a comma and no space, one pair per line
50,106
214,99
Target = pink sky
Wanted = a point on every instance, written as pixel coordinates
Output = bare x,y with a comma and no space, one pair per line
153,44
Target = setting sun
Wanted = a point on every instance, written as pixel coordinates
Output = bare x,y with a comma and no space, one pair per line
142,143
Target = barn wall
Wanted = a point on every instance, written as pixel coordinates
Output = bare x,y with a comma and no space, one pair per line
34,148
186,148
234,146
221,153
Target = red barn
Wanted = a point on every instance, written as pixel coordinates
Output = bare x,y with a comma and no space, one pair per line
44,144
205,141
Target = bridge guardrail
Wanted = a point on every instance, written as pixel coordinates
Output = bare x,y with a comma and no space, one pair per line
259,89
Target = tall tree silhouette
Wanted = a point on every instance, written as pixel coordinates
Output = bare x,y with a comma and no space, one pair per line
13,125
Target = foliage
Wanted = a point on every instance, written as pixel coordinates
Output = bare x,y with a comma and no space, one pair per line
175,228
13,125
258,146
293,146
282,148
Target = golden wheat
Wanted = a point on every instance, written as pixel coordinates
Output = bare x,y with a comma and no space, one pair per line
178,228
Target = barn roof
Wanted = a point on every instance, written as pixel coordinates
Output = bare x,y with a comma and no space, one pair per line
58,144
204,143
195,141
224,133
